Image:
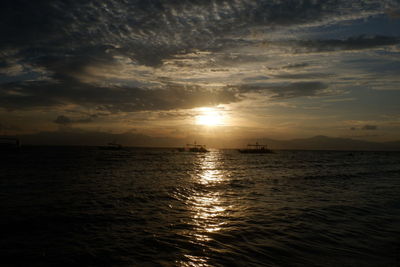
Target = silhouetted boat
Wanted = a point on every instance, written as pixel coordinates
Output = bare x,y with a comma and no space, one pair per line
193,148
112,146
256,149
7,143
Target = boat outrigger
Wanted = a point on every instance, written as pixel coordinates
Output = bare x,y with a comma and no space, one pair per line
193,148
256,149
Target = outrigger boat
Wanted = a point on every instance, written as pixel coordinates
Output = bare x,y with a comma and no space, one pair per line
256,149
112,146
193,148
7,143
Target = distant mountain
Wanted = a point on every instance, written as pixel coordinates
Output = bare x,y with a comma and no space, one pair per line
393,144
86,138
136,139
330,143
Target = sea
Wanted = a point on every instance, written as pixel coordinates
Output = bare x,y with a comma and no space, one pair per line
85,206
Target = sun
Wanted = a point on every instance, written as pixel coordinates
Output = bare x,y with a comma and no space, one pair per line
210,117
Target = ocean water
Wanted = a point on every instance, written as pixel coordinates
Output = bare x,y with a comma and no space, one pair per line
159,207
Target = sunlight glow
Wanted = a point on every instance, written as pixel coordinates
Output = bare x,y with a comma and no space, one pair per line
210,117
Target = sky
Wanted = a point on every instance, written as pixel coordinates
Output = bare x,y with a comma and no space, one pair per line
278,69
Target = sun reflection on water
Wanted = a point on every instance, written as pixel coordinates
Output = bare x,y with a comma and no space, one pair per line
207,202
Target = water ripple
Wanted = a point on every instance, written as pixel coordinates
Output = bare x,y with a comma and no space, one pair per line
145,207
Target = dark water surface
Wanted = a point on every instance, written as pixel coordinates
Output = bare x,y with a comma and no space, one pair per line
155,207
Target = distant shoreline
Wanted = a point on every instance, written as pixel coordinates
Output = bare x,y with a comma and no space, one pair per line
176,148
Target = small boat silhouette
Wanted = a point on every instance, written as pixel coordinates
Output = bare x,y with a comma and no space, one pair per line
112,146
193,148
9,143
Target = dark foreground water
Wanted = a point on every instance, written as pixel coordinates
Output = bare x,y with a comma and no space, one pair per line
149,207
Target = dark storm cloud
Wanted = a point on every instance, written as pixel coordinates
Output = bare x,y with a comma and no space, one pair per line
150,30
46,94
63,38
284,91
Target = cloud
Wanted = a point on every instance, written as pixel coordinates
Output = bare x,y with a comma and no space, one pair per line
308,75
67,36
151,31
116,99
394,13
296,65
10,68
112,56
256,78
8,127
336,100
352,43
287,90
63,120
369,127
289,66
